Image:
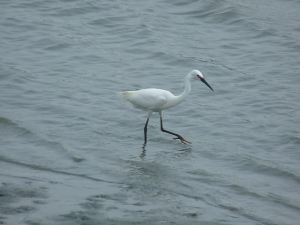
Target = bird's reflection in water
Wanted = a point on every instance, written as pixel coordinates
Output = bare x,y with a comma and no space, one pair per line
178,152
183,152
187,150
143,154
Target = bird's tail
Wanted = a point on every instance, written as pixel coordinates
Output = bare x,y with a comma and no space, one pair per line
127,94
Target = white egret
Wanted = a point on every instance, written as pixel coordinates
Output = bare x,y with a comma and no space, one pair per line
156,100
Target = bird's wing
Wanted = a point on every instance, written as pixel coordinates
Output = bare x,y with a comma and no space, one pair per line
147,101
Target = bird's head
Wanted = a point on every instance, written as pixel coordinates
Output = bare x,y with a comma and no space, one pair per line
196,74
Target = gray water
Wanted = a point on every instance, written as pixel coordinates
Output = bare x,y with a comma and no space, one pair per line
71,148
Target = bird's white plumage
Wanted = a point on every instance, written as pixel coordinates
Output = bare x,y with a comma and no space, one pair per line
156,100
148,99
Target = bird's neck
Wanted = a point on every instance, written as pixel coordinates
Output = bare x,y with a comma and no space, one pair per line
186,91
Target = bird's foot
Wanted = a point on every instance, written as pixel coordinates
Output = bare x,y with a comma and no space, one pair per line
183,140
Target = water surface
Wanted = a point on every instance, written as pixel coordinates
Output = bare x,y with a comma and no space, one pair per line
71,148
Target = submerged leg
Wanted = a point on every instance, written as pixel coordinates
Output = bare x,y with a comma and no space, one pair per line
169,132
145,129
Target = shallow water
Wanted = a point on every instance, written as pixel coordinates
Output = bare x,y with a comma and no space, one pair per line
71,148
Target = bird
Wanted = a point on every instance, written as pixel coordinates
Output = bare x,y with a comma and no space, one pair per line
157,100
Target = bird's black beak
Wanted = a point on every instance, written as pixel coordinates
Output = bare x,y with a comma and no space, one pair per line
204,81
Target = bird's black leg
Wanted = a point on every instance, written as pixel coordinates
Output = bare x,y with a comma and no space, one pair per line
169,132
145,132
145,128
